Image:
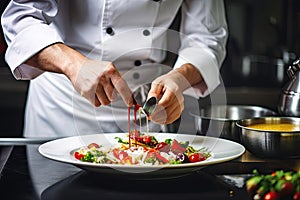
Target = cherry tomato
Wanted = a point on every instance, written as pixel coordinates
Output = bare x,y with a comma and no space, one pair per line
162,147
287,188
272,195
78,155
147,139
296,196
196,157
116,153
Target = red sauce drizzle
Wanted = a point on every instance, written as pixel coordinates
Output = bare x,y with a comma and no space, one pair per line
132,133
129,132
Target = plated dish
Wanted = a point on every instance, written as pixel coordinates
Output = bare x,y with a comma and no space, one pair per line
142,149
62,150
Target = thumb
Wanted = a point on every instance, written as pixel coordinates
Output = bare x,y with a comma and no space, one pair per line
156,91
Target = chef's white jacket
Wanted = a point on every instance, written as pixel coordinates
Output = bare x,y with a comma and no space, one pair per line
132,34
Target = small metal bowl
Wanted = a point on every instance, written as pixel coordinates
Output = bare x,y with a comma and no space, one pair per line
219,120
270,144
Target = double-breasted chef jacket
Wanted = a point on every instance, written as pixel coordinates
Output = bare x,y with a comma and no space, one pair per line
130,33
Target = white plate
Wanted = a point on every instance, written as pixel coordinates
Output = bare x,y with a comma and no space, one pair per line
62,150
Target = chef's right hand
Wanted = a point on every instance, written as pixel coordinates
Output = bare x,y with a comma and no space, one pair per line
100,81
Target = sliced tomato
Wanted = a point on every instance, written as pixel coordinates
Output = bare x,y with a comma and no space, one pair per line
122,155
162,147
176,148
116,153
127,160
161,158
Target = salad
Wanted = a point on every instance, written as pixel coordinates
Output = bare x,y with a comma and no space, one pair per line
277,185
142,149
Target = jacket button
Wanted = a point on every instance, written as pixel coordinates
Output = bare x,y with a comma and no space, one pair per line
137,63
146,32
136,75
109,31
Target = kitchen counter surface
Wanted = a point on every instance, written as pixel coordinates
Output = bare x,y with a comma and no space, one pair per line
27,175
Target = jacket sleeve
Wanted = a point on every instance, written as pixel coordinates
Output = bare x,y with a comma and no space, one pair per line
203,34
26,30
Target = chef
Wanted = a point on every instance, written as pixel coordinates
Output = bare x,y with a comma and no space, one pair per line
86,60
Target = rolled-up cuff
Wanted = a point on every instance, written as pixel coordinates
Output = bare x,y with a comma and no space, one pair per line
26,44
207,65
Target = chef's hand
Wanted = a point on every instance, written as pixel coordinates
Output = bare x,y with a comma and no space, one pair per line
168,89
100,81
97,81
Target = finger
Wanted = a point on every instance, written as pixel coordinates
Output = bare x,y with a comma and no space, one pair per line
101,95
159,115
166,116
156,90
122,88
168,98
173,106
92,98
173,114
96,101
108,88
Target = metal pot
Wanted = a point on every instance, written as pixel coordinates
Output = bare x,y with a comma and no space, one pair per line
270,144
219,120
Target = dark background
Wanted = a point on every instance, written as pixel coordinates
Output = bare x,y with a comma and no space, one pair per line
264,40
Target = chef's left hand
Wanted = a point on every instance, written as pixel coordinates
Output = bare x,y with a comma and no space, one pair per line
168,89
